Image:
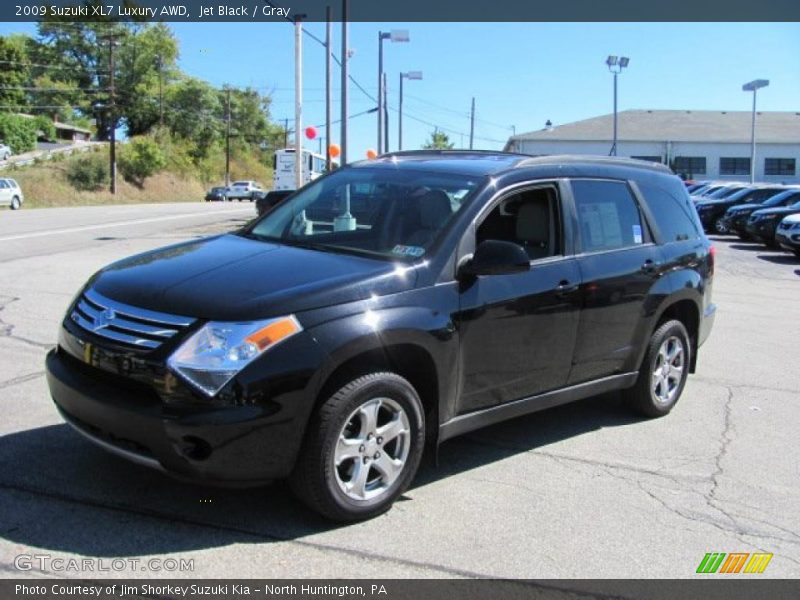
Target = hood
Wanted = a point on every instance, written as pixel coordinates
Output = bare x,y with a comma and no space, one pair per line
780,210
230,278
740,208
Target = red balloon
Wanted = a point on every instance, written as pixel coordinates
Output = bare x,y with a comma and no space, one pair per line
311,132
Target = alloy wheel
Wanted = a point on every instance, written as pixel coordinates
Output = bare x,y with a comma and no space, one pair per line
372,449
668,371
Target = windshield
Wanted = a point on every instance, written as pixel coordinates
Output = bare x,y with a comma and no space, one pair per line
709,190
781,198
725,192
380,212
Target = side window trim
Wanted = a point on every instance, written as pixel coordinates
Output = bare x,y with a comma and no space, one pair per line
651,226
647,239
564,215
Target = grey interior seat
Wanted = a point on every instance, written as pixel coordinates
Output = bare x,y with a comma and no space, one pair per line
534,229
431,213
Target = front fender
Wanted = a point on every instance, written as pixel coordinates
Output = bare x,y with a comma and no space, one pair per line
373,329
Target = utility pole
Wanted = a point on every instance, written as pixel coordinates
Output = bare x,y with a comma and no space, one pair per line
112,113
385,117
160,64
345,79
286,132
227,137
400,115
472,123
298,102
328,85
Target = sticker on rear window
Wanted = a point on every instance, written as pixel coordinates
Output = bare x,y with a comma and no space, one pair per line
415,251
637,234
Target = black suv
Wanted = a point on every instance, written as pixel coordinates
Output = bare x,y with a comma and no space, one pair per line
712,211
386,305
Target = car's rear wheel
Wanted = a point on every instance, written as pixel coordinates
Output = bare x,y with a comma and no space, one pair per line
664,370
720,226
362,449
15,203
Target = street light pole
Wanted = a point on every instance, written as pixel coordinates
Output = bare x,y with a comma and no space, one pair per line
396,35
409,75
753,86
615,66
298,102
345,80
328,85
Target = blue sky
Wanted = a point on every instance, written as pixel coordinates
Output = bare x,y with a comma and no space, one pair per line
521,74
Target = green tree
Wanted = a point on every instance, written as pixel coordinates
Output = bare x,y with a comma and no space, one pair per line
140,158
195,114
18,132
147,65
14,73
439,140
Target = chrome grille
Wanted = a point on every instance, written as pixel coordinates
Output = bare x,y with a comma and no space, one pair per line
125,324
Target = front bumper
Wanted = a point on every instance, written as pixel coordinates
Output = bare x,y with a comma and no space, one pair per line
763,231
788,240
235,445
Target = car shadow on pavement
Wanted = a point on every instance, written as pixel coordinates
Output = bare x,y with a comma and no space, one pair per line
748,246
779,259
62,494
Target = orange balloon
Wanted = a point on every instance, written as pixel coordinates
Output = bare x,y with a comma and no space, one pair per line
371,154
335,150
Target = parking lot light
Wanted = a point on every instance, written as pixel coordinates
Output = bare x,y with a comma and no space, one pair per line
615,65
754,86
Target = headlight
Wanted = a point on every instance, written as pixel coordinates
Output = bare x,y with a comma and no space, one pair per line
213,356
770,217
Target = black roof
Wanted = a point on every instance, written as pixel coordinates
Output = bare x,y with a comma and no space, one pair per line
489,162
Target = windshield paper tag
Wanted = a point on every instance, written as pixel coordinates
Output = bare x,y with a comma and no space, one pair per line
637,234
415,251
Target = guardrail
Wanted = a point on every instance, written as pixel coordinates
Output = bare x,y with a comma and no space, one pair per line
30,158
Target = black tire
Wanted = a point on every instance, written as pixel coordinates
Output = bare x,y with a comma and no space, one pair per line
796,253
15,203
642,397
720,227
316,479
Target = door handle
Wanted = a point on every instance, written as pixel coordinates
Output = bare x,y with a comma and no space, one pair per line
564,287
650,266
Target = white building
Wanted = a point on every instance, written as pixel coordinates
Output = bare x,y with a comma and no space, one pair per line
697,144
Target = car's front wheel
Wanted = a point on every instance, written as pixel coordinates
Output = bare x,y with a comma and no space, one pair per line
720,226
362,449
663,373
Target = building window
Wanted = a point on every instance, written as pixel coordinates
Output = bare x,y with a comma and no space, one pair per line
655,159
779,166
734,166
690,165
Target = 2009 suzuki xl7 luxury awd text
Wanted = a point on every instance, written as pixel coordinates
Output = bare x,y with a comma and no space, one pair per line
389,304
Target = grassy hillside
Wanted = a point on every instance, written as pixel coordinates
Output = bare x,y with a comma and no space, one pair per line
45,183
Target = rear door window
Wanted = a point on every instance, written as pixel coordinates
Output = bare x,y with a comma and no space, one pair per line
608,216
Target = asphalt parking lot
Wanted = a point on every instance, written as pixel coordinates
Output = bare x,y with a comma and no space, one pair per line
581,491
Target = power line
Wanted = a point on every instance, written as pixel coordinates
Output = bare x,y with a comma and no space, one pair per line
40,66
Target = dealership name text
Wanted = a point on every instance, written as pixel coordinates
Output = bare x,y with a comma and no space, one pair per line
194,589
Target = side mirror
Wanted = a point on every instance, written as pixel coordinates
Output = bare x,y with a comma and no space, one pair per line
496,257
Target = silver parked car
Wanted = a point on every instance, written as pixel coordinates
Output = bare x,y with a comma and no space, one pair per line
5,152
10,193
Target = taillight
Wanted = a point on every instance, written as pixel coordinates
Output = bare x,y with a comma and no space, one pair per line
712,254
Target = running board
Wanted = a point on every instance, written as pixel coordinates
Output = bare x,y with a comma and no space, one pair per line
517,408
